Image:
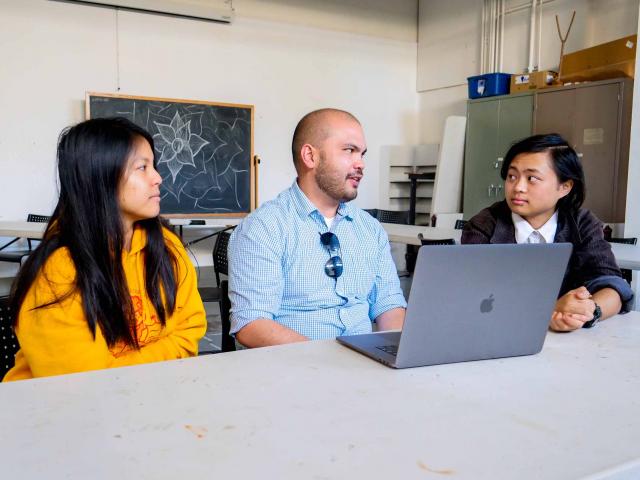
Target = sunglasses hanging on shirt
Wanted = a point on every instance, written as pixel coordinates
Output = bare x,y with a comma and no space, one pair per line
334,266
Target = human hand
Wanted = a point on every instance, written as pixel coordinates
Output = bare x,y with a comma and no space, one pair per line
572,310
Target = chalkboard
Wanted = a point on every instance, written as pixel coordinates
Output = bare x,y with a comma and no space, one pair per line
204,151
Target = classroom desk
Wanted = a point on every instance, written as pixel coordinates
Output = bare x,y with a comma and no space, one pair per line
36,230
22,229
627,256
409,233
320,410
200,253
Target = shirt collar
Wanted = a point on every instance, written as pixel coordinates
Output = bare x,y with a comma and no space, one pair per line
305,207
523,229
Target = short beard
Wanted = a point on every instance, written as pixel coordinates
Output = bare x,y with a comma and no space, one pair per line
332,184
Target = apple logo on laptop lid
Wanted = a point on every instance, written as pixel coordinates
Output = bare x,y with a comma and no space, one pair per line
487,304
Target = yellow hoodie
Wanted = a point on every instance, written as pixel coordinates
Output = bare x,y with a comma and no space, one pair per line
56,340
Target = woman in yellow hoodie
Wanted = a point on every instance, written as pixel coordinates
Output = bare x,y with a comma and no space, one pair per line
109,285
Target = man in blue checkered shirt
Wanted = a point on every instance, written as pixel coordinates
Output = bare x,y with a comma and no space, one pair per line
309,264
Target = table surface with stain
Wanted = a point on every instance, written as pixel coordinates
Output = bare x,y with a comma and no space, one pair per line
320,410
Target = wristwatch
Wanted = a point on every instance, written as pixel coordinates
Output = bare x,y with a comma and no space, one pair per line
597,313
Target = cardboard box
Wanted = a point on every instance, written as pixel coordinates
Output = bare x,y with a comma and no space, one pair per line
608,60
531,81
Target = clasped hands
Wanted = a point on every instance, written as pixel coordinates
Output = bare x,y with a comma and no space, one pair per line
572,310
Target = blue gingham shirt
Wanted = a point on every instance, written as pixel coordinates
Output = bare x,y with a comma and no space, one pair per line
276,269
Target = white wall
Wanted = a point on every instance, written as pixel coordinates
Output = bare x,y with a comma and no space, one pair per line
284,57
596,21
380,18
449,33
448,42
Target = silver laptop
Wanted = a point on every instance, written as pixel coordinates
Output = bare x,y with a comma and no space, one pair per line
473,302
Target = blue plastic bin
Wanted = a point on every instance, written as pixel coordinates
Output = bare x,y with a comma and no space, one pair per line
489,85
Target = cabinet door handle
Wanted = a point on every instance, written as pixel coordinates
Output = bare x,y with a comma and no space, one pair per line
498,189
497,163
490,189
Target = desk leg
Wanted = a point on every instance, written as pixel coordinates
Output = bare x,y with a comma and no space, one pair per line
634,287
412,201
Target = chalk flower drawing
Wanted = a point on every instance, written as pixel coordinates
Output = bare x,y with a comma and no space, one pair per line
178,144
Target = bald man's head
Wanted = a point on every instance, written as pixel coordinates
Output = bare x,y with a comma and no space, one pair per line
314,128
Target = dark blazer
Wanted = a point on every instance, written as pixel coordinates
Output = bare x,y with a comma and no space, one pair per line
592,263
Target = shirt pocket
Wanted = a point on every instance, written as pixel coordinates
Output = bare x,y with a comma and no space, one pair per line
306,285
359,274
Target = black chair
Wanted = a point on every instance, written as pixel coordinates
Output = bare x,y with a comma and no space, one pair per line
220,293
460,224
372,211
392,216
402,218
16,256
8,341
444,241
626,274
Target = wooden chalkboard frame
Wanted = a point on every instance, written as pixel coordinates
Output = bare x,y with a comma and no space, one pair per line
252,159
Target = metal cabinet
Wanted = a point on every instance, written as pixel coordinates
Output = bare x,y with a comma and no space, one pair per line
595,119
493,124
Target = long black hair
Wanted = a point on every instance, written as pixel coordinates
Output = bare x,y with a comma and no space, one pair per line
92,160
565,163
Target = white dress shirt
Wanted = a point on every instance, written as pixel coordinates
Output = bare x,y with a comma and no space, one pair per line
525,233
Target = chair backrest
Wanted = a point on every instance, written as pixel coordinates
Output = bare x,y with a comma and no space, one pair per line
391,216
220,262
443,241
372,211
460,224
628,241
35,218
228,342
8,341
32,217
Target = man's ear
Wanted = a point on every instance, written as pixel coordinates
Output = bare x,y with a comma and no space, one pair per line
566,187
310,156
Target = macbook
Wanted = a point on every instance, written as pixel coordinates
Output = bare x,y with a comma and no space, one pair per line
473,302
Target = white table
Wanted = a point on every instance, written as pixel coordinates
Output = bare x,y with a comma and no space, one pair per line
627,256
320,410
22,229
36,229
200,253
409,233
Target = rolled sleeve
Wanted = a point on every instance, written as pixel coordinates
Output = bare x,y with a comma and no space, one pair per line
386,293
255,273
618,284
596,263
